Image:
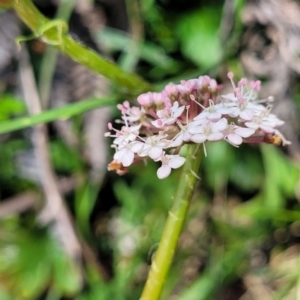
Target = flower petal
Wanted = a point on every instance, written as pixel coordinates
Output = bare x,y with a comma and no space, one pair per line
201,116
252,125
127,158
220,125
155,152
176,162
163,172
246,115
215,136
244,132
198,138
216,116
234,139
137,146
178,112
196,129
267,129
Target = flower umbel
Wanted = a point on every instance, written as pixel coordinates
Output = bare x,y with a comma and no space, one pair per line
191,112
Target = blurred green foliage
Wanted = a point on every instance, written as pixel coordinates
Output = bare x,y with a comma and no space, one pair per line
243,222
197,32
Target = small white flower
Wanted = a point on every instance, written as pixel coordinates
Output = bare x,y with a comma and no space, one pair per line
264,121
169,162
184,135
168,116
235,134
153,146
209,131
127,134
134,114
125,155
214,112
242,110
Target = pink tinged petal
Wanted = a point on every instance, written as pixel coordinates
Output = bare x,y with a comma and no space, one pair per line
234,113
178,112
197,123
198,138
155,152
196,130
267,129
144,99
214,116
145,150
225,111
157,98
217,136
268,123
244,132
161,113
176,162
234,139
163,172
182,89
231,105
170,121
157,123
137,147
127,158
178,140
252,125
220,125
186,136
246,115
175,106
201,116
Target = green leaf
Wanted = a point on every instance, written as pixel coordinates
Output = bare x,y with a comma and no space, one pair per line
66,277
198,34
9,106
24,261
283,172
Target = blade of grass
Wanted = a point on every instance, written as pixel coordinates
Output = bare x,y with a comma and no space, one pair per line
57,113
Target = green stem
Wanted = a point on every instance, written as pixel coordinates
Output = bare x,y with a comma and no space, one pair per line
75,50
62,113
167,246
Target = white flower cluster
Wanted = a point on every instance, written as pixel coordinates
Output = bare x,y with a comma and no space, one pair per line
191,112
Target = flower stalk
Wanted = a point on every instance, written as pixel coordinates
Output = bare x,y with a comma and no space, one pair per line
177,215
55,33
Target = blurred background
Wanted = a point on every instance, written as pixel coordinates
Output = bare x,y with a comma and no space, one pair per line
71,230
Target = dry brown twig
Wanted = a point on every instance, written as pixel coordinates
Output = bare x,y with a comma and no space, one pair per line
54,210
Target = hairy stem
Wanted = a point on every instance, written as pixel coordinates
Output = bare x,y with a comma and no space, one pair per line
167,246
